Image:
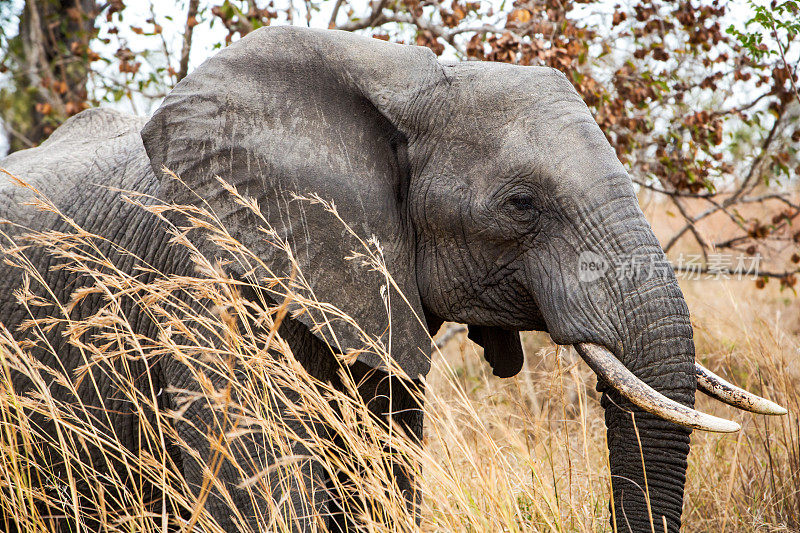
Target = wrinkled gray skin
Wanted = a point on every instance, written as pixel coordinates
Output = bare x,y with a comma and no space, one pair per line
483,182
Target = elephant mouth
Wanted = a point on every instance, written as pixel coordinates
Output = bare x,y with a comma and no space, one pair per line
608,367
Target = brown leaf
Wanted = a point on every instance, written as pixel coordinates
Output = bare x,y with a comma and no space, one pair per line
73,108
427,38
659,54
475,47
518,16
44,108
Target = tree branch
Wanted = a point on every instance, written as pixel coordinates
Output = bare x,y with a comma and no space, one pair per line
451,331
332,23
375,18
679,194
745,186
785,63
18,135
191,20
704,245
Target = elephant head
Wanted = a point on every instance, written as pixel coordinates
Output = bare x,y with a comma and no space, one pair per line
486,186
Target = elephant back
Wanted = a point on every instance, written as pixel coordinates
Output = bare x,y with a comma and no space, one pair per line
95,148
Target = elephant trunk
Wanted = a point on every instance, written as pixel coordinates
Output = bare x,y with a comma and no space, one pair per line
651,335
635,309
621,307
647,454
633,328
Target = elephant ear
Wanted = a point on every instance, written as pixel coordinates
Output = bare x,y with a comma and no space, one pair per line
288,112
502,349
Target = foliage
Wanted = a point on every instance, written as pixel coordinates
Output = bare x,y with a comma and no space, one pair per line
770,20
702,108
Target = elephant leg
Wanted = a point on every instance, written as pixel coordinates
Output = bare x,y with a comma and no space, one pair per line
262,483
299,490
292,482
393,404
252,472
296,476
80,461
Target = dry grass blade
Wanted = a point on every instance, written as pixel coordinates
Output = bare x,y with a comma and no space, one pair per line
521,454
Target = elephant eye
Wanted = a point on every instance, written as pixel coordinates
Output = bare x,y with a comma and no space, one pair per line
521,202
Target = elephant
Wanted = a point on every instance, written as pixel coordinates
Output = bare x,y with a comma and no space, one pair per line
489,188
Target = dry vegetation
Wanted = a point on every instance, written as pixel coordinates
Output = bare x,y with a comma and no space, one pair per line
521,454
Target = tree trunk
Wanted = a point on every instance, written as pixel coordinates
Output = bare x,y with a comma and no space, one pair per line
50,58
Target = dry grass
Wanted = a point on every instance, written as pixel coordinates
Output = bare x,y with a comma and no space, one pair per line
520,454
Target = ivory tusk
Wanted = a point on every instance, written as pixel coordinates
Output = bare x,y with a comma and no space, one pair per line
608,367
726,392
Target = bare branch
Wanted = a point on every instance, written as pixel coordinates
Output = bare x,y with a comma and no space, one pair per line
18,135
767,197
679,194
332,23
451,331
749,183
375,18
704,244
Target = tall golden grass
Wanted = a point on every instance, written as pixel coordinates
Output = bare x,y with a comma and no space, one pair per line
520,454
